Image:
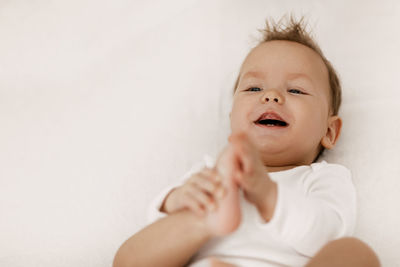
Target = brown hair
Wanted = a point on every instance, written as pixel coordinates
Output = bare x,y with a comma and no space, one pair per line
290,29
295,31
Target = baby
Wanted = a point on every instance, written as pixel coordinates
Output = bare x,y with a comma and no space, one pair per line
266,201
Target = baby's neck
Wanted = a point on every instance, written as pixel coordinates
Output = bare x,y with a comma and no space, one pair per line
281,168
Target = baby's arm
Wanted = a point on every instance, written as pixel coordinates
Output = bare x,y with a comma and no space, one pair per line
170,241
174,239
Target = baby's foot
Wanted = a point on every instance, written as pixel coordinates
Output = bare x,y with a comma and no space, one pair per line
226,218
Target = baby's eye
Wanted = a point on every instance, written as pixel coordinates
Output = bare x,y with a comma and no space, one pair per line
254,89
295,91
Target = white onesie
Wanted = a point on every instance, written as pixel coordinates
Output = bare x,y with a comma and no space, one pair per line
315,204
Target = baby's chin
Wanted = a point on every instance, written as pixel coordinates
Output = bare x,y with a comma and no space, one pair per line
272,147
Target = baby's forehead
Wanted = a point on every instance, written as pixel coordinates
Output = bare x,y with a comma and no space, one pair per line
288,56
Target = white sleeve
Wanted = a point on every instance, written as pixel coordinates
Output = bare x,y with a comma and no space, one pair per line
153,212
315,209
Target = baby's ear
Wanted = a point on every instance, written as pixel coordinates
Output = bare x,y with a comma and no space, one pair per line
332,134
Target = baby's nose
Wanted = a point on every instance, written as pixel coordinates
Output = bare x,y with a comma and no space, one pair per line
272,96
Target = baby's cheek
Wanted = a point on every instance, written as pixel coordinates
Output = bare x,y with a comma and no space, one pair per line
235,124
239,122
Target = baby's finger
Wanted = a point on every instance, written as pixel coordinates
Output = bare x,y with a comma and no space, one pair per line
201,197
218,191
205,183
212,174
192,204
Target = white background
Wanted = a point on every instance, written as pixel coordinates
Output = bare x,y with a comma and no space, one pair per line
104,103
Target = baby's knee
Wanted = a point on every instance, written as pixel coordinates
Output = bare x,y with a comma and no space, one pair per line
217,263
355,250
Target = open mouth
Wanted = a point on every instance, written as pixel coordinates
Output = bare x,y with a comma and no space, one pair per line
271,119
270,122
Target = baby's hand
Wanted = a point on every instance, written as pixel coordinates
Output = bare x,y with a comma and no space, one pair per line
197,194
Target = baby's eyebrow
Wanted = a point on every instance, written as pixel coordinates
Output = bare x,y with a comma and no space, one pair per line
294,76
253,74
290,76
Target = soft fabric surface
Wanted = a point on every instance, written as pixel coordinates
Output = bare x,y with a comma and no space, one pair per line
104,103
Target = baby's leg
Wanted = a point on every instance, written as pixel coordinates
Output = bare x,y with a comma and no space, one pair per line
345,252
226,218
217,263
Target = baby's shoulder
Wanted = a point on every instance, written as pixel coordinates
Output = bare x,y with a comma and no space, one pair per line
325,168
328,174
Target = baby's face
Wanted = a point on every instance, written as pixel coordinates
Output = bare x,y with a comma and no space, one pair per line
282,102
